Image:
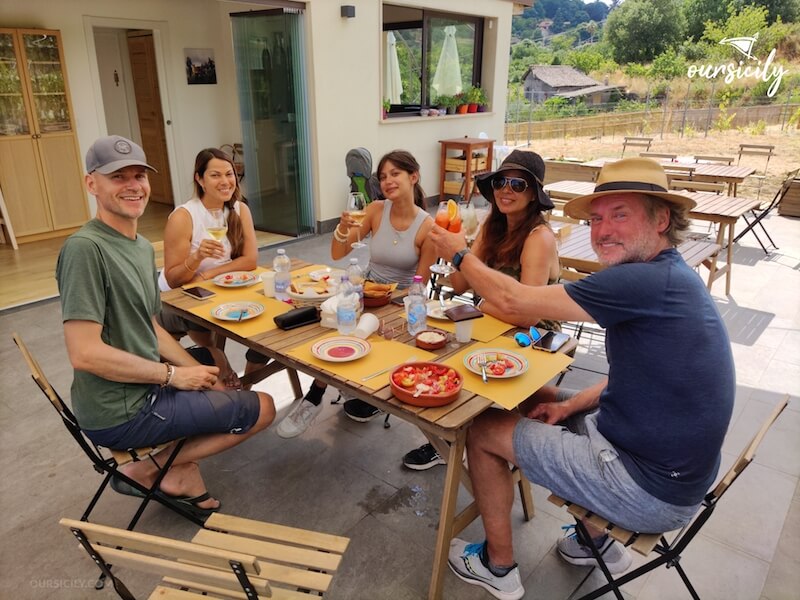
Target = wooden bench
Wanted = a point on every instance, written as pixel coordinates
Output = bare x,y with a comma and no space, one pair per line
636,142
231,558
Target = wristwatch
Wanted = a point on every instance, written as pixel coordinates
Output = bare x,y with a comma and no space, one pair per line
458,257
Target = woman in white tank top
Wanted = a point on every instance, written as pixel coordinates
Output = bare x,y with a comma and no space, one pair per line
192,255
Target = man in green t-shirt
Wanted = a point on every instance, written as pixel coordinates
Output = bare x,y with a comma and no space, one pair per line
123,395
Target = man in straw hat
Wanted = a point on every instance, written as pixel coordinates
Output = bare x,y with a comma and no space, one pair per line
640,448
134,385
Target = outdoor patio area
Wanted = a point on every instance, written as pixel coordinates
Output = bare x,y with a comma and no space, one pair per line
346,478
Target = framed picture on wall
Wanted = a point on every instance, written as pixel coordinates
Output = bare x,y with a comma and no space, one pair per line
200,66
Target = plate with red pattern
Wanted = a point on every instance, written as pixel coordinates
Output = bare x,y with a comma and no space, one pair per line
341,349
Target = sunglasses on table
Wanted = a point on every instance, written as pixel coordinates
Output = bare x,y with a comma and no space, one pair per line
517,184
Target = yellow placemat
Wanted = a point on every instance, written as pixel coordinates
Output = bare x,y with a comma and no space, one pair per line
250,327
484,329
508,393
384,354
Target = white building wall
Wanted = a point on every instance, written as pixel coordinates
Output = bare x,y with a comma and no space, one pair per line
344,80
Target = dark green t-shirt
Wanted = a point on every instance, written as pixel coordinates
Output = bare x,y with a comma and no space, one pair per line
107,278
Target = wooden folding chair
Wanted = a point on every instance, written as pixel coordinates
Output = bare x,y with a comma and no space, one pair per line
107,461
231,558
713,159
669,553
760,152
697,186
758,217
636,142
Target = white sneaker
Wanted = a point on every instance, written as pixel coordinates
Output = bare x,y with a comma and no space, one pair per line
300,419
465,561
615,555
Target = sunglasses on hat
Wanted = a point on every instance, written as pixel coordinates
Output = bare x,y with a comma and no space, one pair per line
517,184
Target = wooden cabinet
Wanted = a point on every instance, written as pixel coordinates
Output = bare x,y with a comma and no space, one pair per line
40,166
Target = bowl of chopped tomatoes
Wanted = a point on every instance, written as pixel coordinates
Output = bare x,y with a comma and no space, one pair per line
426,384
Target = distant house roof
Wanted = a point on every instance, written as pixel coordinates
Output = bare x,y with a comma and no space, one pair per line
588,90
558,76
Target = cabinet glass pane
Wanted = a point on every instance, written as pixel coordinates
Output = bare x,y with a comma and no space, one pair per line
47,82
13,120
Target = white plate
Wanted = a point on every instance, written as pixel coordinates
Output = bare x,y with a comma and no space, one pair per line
490,355
341,349
237,311
435,310
329,273
235,279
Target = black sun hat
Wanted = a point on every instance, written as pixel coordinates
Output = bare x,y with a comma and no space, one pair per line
531,164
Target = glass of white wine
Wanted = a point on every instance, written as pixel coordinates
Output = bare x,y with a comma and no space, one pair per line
216,227
469,220
356,210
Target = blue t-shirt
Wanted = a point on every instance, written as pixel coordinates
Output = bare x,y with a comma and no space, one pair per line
671,381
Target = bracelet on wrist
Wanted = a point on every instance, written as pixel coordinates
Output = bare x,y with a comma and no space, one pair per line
203,277
188,268
339,236
170,373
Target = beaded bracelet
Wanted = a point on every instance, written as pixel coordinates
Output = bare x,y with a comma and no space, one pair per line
339,236
170,373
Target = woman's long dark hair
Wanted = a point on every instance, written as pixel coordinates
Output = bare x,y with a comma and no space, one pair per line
507,244
235,228
405,161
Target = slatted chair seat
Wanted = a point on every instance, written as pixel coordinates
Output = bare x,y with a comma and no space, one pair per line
636,142
714,159
759,154
697,186
758,217
233,558
669,553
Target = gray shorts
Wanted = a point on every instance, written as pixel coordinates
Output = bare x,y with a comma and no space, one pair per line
575,462
174,324
169,414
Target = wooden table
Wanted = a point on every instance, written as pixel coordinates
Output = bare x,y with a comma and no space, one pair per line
732,175
469,166
446,427
715,208
575,252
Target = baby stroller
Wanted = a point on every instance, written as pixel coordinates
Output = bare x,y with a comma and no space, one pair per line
358,162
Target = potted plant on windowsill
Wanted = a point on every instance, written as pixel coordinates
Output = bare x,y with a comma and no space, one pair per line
386,106
461,103
448,103
473,97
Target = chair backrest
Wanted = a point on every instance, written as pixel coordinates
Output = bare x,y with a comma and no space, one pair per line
38,376
760,151
713,159
747,455
697,186
636,142
557,170
167,557
666,155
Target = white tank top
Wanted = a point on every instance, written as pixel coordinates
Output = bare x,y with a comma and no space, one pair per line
200,219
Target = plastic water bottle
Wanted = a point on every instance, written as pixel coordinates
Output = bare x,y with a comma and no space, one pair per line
356,276
283,278
346,307
417,307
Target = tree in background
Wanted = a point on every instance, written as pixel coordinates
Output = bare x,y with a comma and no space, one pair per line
640,30
698,12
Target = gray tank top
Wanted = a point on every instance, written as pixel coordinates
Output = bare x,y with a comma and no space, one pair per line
393,255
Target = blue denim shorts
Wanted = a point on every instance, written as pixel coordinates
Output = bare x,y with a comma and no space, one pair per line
169,414
575,462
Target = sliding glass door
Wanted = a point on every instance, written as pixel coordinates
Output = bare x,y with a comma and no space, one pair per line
270,77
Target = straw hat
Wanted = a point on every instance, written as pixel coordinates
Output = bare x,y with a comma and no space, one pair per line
532,166
629,175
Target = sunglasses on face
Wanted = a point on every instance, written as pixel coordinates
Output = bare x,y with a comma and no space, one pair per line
526,340
517,184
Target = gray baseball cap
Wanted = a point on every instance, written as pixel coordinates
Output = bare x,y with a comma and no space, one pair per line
114,152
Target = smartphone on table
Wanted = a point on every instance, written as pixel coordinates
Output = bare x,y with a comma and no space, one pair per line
550,341
198,293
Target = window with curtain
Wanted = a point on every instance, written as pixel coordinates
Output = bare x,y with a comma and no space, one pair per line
427,55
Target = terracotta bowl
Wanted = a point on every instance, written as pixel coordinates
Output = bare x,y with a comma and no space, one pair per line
424,400
376,302
427,345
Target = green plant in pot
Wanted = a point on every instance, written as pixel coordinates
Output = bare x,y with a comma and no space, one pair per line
449,103
461,103
387,104
474,97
